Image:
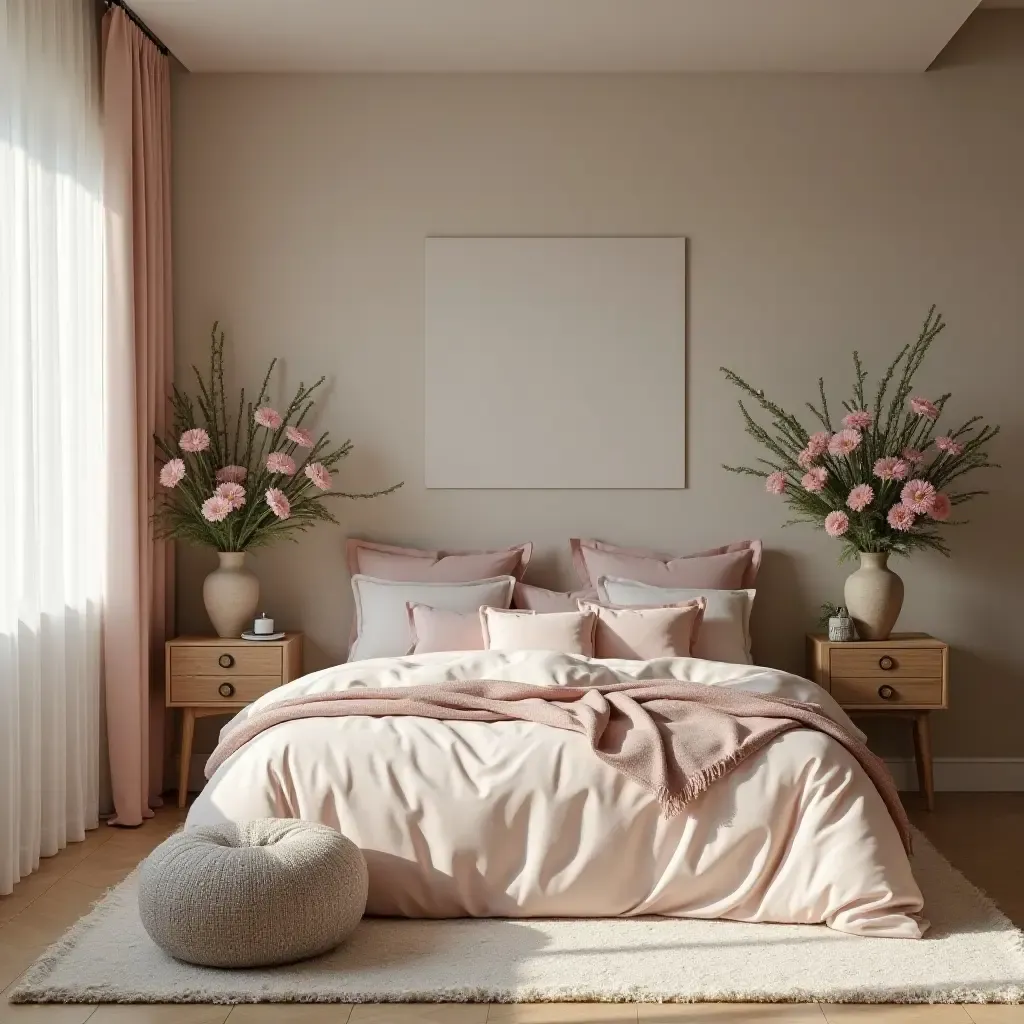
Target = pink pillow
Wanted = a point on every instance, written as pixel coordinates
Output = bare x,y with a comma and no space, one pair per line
413,565
641,634
438,629
732,567
565,632
538,599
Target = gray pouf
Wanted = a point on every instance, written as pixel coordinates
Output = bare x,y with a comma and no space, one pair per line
271,891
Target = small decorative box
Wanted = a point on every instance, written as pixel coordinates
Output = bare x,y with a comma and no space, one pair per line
840,628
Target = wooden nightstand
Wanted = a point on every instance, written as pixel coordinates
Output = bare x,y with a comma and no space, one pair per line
906,675
209,676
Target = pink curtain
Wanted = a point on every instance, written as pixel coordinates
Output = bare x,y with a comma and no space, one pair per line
138,369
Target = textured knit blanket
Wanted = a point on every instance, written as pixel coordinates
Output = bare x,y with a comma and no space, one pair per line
671,737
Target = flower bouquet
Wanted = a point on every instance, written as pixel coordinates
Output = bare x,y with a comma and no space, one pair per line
881,481
242,483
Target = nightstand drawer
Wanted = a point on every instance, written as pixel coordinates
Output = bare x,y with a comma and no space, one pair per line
208,689
226,659
884,664
888,692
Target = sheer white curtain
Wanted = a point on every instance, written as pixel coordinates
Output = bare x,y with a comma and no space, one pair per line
51,428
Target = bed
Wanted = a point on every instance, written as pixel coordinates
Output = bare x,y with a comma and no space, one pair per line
515,819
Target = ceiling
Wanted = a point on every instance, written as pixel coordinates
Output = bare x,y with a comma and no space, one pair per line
556,35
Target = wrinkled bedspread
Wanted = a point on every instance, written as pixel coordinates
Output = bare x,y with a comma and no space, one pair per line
516,819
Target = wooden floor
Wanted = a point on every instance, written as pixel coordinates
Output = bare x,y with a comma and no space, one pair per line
981,833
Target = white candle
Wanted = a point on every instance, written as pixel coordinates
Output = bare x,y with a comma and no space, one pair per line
263,625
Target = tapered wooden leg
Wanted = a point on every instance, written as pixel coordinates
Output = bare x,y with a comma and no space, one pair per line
923,754
188,728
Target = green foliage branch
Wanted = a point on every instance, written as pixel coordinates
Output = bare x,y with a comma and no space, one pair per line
894,428
243,442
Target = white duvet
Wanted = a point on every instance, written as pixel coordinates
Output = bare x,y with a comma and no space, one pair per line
514,819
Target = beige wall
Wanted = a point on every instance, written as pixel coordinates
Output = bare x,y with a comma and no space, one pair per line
823,212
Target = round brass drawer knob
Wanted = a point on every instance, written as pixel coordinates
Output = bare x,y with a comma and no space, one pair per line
886,663
226,690
226,661
886,692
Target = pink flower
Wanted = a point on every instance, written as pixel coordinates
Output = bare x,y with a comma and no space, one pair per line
949,445
922,407
235,493
216,508
817,444
900,518
836,524
806,458
267,417
814,479
844,442
914,456
859,419
860,497
194,440
232,475
941,507
890,468
172,473
278,462
303,438
918,496
278,503
317,472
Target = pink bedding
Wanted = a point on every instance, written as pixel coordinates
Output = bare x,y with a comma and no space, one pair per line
518,819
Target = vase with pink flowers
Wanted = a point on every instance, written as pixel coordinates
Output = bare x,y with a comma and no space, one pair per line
235,483
881,481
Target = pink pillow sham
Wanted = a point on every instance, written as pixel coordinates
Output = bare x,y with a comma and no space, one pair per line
565,632
732,567
438,629
641,634
529,598
414,565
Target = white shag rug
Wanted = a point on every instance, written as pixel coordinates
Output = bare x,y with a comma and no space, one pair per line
972,954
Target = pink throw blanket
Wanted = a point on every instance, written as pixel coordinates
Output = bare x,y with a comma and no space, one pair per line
673,738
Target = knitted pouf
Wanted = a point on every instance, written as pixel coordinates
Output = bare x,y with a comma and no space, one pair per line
271,891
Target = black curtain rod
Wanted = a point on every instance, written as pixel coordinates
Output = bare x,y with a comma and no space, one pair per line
143,27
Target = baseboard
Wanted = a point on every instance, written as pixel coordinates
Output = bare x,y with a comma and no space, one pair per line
964,774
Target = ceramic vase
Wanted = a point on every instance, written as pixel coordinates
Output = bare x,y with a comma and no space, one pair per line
874,596
231,594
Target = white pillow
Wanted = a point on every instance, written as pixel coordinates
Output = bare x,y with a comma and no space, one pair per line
725,632
565,632
382,619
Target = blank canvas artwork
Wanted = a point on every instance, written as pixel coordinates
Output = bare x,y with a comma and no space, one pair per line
555,362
